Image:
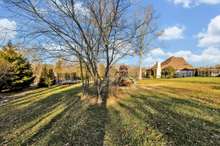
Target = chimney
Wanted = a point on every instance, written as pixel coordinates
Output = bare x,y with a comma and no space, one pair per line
158,71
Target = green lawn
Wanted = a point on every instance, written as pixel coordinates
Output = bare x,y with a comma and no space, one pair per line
153,112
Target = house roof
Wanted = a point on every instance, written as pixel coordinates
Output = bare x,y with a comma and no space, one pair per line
178,63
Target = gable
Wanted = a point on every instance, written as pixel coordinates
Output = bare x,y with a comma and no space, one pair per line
177,63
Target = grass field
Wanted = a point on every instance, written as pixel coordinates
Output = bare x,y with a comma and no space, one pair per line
153,112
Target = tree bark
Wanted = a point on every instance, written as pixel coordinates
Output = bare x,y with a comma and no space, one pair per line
103,90
82,78
140,67
99,92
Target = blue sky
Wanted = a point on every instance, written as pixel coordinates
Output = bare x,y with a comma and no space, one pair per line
191,30
192,19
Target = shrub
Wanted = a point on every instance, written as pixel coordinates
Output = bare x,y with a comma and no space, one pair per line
168,72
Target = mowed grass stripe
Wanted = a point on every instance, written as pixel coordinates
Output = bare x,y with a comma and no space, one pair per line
25,122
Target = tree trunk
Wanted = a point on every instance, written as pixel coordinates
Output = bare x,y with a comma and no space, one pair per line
82,78
103,91
99,92
140,67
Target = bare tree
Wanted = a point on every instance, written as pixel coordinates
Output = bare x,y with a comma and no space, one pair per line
93,31
145,34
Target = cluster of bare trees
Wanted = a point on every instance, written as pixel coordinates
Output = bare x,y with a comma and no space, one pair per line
88,31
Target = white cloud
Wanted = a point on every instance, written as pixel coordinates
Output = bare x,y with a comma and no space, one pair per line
172,33
192,3
207,57
157,52
7,29
211,37
184,3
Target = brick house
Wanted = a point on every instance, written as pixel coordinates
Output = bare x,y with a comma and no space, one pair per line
179,64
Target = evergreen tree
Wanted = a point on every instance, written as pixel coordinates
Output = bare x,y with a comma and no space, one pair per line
51,78
58,69
43,77
47,77
20,74
5,73
196,73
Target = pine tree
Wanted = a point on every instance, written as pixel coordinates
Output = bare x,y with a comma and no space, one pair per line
47,77
58,69
51,77
5,73
20,74
43,77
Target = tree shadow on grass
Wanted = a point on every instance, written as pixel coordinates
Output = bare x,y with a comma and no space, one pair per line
118,132
196,81
18,122
39,134
177,127
27,97
81,124
43,123
199,95
24,115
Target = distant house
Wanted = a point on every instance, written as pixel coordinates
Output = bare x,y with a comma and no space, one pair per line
179,64
182,69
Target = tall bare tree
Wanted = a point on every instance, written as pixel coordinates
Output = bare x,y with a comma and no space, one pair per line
93,31
145,34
